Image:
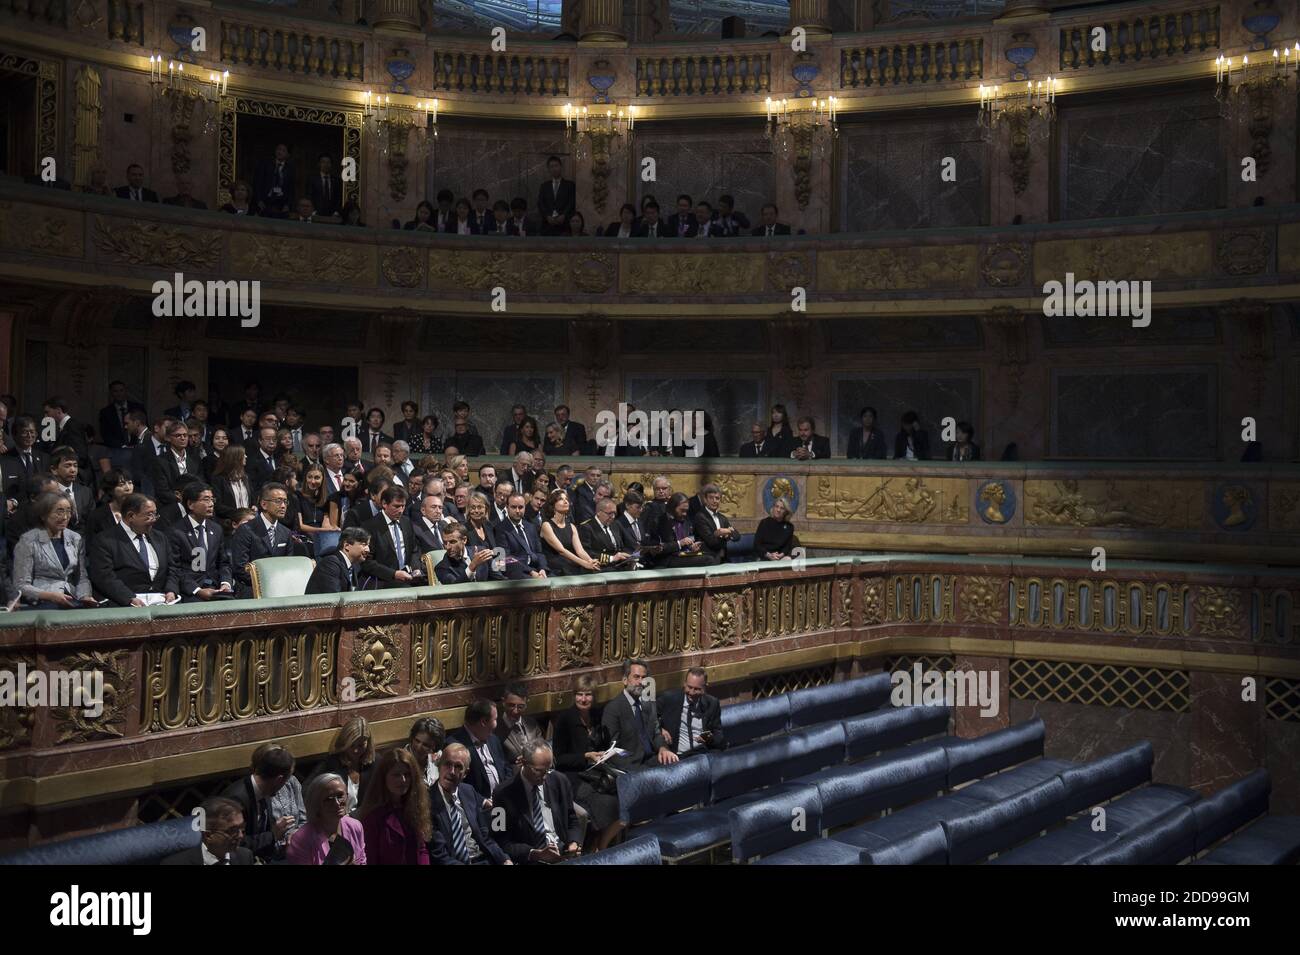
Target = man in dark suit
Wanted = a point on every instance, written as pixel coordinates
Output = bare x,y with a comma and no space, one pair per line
633,722
583,494
602,539
650,227
179,459
456,568
199,540
689,718
186,393
261,460
340,572
394,549
541,824
812,446
265,834
113,430
704,226
27,463
570,429
134,188
520,476
489,766
520,539
184,195
510,433
222,824
64,468
68,432
556,199
470,444
264,536
325,188
133,558
461,832
371,434
912,442
521,223
769,226
638,537
757,446
482,221
712,529
144,453
731,222
366,511
681,224
430,524
172,514
273,184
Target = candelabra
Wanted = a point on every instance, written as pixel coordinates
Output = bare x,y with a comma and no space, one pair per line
802,126
186,88
1027,110
1247,93
605,132
381,115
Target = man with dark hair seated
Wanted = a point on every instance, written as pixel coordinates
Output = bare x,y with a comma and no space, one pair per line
340,572
266,834
489,766
454,568
134,188
133,558
394,549
198,547
222,824
461,833
264,536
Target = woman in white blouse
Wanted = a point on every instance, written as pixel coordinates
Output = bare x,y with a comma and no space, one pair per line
230,482
50,561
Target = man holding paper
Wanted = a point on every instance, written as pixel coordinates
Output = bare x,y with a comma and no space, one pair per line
633,721
131,564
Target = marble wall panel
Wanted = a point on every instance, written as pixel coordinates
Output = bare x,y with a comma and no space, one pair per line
1140,158
1186,326
733,403
1281,743
506,164
727,337
890,174
726,160
1135,413
491,395
933,396
908,333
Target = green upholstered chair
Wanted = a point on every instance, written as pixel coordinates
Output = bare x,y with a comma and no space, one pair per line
280,576
431,559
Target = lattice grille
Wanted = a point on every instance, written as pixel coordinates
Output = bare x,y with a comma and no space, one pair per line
170,803
1143,688
906,663
1282,700
778,683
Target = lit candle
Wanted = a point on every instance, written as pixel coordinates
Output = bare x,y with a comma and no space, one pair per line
225,81
631,117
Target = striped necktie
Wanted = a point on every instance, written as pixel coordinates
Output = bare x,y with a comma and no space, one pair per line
458,847
539,820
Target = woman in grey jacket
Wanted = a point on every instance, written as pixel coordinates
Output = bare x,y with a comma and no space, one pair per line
50,560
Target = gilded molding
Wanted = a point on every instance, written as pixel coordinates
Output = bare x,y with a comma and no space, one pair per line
788,270
376,654
698,274
890,500
894,269
1187,255
516,272
873,601
118,698
16,722
135,242
980,599
404,266
574,634
41,230
650,626
474,647
1219,612
1167,505
45,73
594,272
279,257
1243,251
1004,264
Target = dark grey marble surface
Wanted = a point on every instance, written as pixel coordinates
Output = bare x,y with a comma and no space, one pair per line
725,336
732,161
890,174
1137,413
533,335
1168,325
491,395
733,403
1140,157
904,333
506,165
932,396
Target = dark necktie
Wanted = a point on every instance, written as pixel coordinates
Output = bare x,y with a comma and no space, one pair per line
27,462
609,532
203,538
144,551
325,181
640,721
690,729
458,847
519,529
270,539
352,576
397,544
539,820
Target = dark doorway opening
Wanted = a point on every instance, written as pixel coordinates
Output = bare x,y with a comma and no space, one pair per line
321,392
18,125
256,138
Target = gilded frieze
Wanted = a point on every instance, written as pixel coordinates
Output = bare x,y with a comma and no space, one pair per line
74,723
650,626
574,636
893,269
1219,612
980,599
1284,507
1185,255
526,272
376,653
1288,247
469,648
331,263
40,230
1167,505
738,494
403,267
889,500
135,242
712,274
16,722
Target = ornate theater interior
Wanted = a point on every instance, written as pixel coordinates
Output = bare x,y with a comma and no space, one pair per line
943,497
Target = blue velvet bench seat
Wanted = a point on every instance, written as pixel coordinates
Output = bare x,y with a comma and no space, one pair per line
643,850
146,844
1273,840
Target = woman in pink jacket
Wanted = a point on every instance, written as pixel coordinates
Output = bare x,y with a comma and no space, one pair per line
331,836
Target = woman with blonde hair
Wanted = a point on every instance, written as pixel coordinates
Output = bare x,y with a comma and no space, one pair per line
395,814
774,538
352,757
330,836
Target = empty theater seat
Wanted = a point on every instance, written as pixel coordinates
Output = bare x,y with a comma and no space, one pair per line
974,836
928,846
884,729
837,701
1167,841
643,850
1273,840
745,722
769,825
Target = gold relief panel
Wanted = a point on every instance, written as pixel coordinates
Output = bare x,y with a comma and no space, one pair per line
1181,255
403,267
1167,505
151,244
650,627
732,609
920,598
1137,608
268,255
526,272
574,637
791,608
846,603
594,272
41,230
235,676
1288,247
889,500
738,495
1219,612
73,723
873,601
892,269
16,721
468,648
341,263
376,658
716,274
981,600
1283,505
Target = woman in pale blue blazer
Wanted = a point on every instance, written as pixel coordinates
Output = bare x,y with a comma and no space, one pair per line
50,560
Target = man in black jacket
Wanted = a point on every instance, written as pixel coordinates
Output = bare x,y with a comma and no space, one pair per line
222,822
461,832
325,188
113,428
489,766
265,535
757,446
394,549
633,722
689,718
556,199
199,549
68,432
265,834
133,558
769,226
456,568
340,571
541,824
134,188
177,460
274,183
521,540
812,446
602,538
712,529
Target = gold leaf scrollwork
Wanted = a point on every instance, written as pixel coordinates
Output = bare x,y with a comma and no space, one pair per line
787,270
375,655
16,721
1004,264
1218,612
75,725
594,272
846,603
147,243
873,601
404,267
575,634
725,618
981,600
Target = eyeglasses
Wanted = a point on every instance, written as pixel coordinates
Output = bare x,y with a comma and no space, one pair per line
337,797
541,772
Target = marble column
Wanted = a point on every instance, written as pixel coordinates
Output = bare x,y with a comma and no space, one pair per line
813,15
397,15
602,22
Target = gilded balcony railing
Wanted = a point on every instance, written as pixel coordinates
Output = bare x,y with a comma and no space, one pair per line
706,74
516,74
1140,38
915,63
299,52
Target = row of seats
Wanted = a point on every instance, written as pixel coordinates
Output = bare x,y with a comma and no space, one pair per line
746,722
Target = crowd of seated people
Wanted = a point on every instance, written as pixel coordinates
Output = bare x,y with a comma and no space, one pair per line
175,508
506,788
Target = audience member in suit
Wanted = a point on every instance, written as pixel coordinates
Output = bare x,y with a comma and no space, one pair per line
430,524
810,446
331,836
481,213
774,538
187,394
264,536
274,184
396,815
410,425
231,483
260,464
324,187
69,433
133,558
179,459
556,199
964,448
866,440
469,444
339,572
458,568
569,429
64,470
113,428
515,728
633,722
134,188
768,225
185,195
172,514
489,767
498,222
690,719
369,505
265,834
602,539
394,549
758,445
731,222
200,539
583,494
462,222
27,463
461,831
650,227
521,540
681,224
676,536
114,486
541,824
625,227
521,223
704,227
912,442
49,565
499,512
223,823
712,529
579,740
510,433
144,454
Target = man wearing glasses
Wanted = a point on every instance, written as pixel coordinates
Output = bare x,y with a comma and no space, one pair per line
461,831
198,548
541,825
222,823
263,536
